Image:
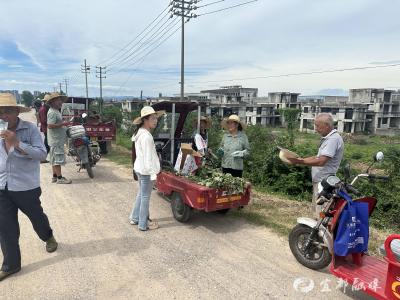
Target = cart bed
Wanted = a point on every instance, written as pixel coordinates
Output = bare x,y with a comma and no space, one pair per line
198,196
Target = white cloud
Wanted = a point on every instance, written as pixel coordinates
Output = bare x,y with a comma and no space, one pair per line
30,55
15,66
265,38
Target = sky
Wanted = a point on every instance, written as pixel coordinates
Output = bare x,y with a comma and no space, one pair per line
42,42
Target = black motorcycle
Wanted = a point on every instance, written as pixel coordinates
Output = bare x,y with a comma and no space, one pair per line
84,151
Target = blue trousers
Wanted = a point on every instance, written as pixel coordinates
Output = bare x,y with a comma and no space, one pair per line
140,212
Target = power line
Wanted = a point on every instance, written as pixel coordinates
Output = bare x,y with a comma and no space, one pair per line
226,8
148,42
139,43
127,45
147,47
303,73
142,59
208,4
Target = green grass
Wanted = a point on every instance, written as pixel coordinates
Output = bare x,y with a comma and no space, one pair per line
123,140
120,155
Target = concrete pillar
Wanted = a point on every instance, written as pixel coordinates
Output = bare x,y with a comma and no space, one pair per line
340,126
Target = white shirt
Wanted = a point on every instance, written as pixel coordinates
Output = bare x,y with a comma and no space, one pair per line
147,161
190,165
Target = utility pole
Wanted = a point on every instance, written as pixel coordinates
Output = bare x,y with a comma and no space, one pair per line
183,9
60,88
66,81
180,8
86,69
101,72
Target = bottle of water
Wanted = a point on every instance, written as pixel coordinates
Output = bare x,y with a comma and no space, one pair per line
3,125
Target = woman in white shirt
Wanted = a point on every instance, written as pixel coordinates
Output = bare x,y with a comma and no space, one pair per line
199,144
146,166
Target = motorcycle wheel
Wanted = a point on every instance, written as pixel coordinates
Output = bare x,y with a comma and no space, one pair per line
317,257
89,170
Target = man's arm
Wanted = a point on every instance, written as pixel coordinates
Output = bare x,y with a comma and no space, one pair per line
311,161
52,121
34,150
51,126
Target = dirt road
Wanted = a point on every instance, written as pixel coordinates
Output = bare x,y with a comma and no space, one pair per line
102,256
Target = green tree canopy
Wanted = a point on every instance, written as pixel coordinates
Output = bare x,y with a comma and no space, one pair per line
27,98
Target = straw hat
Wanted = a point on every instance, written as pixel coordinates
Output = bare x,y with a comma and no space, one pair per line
8,100
234,118
187,149
54,96
207,120
284,154
46,98
146,111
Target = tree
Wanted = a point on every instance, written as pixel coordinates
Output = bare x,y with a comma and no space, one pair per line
291,116
27,98
41,95
113,112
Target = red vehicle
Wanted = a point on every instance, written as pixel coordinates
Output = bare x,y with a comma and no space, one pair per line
96,129
311,242
184,194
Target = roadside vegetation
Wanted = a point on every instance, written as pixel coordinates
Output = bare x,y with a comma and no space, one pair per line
282,193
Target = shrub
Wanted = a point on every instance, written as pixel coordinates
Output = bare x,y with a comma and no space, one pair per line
264,168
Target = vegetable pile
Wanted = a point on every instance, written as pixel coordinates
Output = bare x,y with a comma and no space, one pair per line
214,178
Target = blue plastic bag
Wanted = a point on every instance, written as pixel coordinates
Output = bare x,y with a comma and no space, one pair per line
353,230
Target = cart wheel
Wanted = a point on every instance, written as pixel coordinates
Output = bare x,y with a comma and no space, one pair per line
223,211
180,210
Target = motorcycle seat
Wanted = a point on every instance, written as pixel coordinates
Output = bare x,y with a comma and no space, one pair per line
395,245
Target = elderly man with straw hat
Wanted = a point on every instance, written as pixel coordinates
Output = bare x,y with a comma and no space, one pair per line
21,150
234,146
56,136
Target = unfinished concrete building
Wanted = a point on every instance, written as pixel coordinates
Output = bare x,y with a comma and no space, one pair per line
383,114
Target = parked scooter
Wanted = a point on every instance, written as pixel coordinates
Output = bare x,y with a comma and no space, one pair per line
312,241
84,151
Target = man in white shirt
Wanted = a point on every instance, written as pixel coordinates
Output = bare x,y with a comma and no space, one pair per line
329,155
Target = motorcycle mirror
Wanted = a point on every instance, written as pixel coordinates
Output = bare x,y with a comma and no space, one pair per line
84,115
379,156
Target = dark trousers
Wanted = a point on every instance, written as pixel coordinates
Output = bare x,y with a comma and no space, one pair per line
29,203
233,172
46,144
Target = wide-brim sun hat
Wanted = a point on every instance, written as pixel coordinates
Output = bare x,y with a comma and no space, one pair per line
284,154
234,118
187,148
54,96
46,98
207,120
8,100
146,111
